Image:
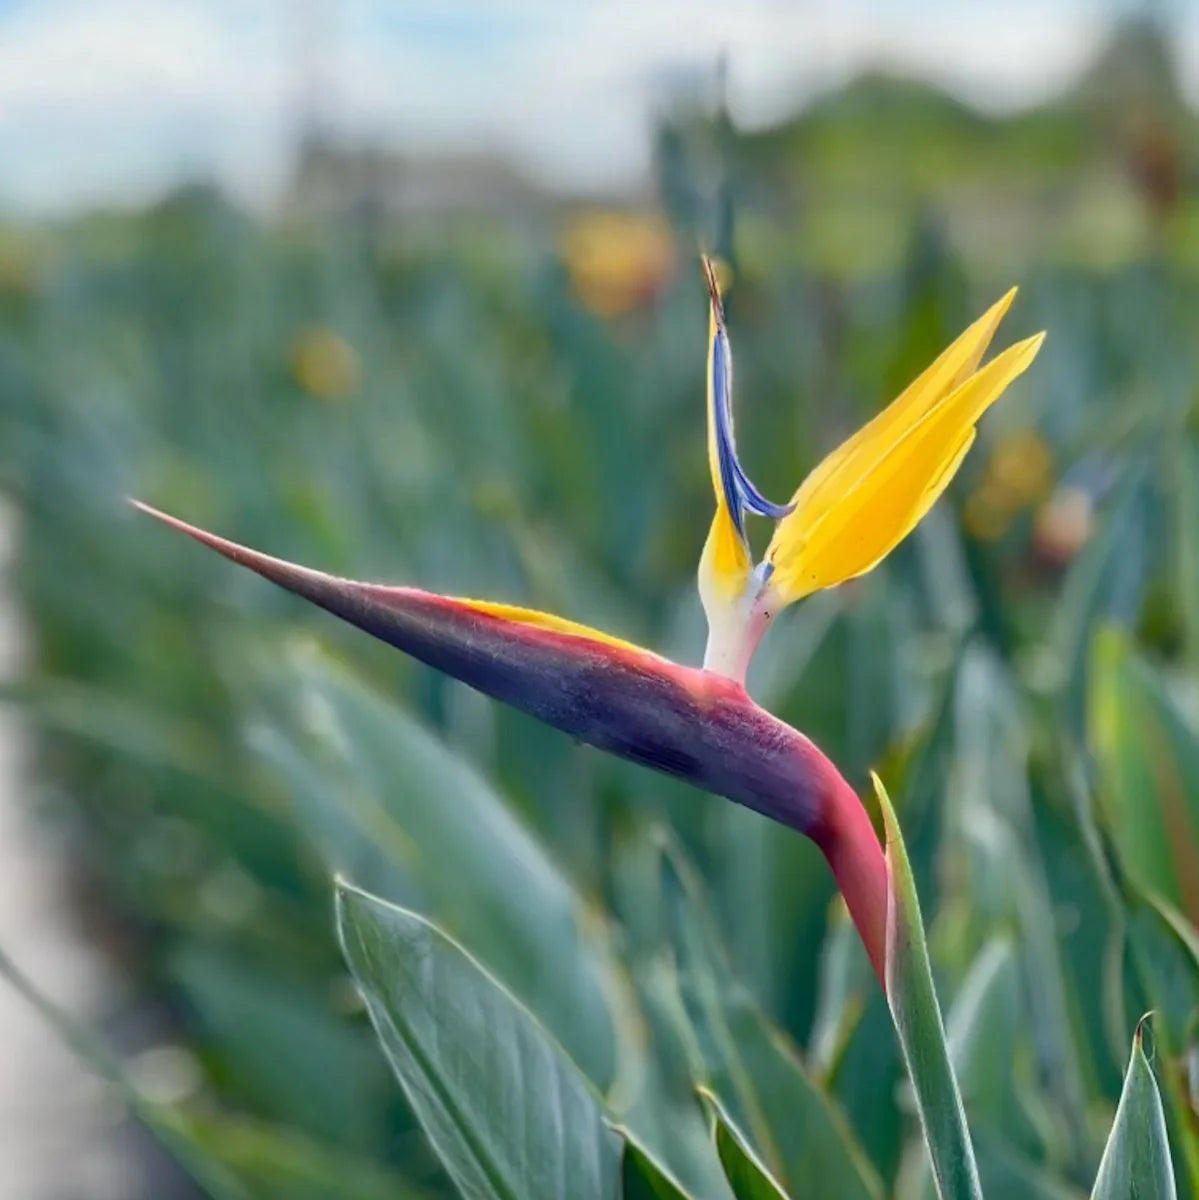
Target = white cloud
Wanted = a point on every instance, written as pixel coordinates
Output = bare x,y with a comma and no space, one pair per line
115,99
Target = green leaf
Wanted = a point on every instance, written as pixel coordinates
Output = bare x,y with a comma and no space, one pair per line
292,1058
1008,881
982,1032
845,976
665,1112
917,1016
1163,948
275,1162
747,1176
794,1126
1104,584
508,1115
658,1100
1148,755
643,1178
390,806
1011,1176
1186,500
987,1031
232,1157
1136,1161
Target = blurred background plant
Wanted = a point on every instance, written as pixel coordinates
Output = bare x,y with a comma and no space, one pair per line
502,396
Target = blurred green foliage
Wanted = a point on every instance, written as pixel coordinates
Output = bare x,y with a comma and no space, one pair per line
471,408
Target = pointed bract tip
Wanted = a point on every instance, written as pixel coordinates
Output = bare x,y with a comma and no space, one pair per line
159,515
239,554
713,288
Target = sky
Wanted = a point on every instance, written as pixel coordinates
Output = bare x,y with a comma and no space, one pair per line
115,101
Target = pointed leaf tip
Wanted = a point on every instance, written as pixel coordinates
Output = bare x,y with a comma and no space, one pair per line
1138,1036
1136,1160
747,1175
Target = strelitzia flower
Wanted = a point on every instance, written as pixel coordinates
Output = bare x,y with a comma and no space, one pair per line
857,505
699,724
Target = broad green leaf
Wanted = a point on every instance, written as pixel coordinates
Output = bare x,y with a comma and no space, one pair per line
983,1029
845,975
643,1178
990,818
108,718
232,1157
1186,499
1008,1175
391,806
1136,1161
1148,756
794,1126
273,1162
508,1115
994,1066
1104,584
664,1111
655,1094
1164,951
1161,944
917,1015
294,1060
870,1084
747,1176
1162,947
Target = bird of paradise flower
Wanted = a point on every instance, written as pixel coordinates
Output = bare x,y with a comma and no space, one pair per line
700,724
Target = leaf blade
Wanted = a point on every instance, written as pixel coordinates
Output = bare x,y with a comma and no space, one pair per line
504,1110
747,1175
916,1013
1136,1160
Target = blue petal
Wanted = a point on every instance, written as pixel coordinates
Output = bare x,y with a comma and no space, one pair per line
740,494
726,450
755,501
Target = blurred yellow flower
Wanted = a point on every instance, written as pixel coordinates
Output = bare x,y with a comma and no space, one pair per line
323,363
1019,473
617,261
22,264
1022,467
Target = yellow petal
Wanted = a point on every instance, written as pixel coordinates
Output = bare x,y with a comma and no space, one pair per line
549,622
724,576
713,444
878,507
853,458
725,564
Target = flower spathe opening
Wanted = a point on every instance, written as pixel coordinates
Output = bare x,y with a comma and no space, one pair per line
857,505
